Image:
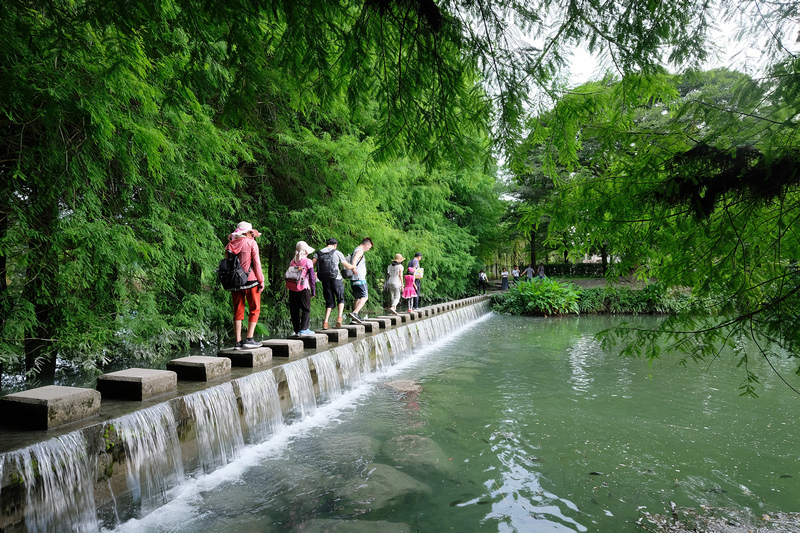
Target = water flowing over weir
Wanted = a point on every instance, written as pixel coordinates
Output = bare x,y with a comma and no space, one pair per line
59,484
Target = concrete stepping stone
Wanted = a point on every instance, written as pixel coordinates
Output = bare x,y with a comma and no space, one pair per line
334,335
285,347
393,320
317,340
248,357
50,406
383,323
369,327
200,367
137,384
354,330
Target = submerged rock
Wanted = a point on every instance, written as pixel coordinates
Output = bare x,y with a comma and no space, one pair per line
319,525
405,385
418,453
349,449
381,486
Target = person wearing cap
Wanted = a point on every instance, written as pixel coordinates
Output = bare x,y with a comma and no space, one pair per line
394,281
242,242
358,283
329,259
414,263
301,292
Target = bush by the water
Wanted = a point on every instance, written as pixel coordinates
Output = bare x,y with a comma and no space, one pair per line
538,297
548,297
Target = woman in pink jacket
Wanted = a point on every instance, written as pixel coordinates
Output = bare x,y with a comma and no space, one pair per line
243,242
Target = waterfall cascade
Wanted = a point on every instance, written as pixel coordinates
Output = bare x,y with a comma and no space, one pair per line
57,481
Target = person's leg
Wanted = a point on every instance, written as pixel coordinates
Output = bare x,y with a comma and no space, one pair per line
338,292
254,307
361,294
394,291
304,298
418,287
358,304
294,310
237,298
328,293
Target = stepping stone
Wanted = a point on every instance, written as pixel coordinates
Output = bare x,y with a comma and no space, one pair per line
200,367
248,357
49,406
285,347
369,327
383,323
316,340
413,315
393,320
334,335
137,384
354,330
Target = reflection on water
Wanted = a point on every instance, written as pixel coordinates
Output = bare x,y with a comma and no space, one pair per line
520,425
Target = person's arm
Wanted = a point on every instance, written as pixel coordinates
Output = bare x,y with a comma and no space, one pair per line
312,278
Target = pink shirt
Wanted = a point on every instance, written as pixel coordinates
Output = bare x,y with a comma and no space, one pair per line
249,258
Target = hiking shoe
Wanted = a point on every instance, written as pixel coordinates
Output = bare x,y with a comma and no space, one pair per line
305,332
238,345
394,312
325,325
251,343
355,318
338,322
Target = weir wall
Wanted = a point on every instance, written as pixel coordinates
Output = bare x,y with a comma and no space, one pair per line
81,476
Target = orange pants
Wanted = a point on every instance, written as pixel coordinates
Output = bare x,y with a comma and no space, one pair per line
253,298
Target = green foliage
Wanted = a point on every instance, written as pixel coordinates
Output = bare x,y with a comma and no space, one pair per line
539,297
692,180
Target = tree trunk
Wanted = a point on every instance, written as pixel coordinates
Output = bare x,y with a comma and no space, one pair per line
604,257
533,247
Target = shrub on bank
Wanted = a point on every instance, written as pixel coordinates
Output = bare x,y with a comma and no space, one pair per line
547,297
538,297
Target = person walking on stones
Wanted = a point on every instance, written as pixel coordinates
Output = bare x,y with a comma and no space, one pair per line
504,279
358,283
540,271
482,281
418,273
242,242
410,290
327,262
529,273
515,274
394,281
301,289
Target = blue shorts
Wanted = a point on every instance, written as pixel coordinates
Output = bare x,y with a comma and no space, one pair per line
359,291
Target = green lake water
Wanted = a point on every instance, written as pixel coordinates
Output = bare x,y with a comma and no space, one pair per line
538,430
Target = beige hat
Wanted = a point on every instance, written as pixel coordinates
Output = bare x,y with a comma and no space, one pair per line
303,246
399,258
243,227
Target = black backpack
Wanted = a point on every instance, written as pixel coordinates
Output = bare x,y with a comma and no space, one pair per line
327,265
230,274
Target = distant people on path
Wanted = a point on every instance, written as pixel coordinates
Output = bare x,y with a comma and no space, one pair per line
358,283
301,289
410,290
529,273
394,281
418,273
515,274
242,242
540,271
327,261
504,279
482,279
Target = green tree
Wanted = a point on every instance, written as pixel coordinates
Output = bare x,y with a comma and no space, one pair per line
697,189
